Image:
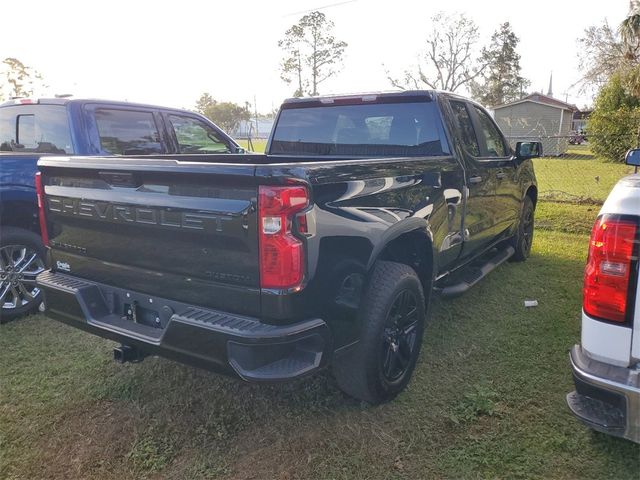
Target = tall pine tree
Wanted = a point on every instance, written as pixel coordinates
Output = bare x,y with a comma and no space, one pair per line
501,81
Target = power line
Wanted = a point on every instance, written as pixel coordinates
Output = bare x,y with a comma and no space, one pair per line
319,8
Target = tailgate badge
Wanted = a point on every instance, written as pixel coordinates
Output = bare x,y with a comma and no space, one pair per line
64,266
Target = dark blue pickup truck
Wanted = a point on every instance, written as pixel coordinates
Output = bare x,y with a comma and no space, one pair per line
31,129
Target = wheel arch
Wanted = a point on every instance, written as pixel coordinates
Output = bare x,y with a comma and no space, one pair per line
410,244
20,214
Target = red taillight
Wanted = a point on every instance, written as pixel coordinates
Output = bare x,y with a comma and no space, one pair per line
609,267
281,253
41,212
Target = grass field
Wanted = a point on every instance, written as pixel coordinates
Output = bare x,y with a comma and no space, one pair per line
578,176
486,401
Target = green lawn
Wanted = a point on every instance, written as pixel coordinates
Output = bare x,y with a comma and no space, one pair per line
258,144
578,176
486,401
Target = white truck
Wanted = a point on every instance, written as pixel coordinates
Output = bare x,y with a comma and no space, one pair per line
606,365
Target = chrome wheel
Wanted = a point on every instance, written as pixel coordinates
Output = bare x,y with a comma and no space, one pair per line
19,266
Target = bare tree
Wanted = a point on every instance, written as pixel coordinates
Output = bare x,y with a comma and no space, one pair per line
312,53
450,60
602,51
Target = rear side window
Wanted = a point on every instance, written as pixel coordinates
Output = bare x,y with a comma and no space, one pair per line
196,137
127,132
385,129
35,129
465,127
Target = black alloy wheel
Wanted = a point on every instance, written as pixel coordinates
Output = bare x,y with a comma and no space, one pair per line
399,336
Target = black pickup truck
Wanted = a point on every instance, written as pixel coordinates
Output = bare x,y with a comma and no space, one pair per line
324,252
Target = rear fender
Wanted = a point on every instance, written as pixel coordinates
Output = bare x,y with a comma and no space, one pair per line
408,225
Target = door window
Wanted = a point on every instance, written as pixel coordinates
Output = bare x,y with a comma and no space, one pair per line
128,132
465,126
195,136
492,136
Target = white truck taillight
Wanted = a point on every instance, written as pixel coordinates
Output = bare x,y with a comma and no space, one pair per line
281,253
41,212
612,262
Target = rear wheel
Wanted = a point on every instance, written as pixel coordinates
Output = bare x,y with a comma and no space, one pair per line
21,260
392,318
523,239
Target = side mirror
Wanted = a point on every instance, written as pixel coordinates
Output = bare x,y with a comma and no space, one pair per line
633,157
526,150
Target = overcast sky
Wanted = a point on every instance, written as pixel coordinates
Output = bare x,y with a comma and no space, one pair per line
168,53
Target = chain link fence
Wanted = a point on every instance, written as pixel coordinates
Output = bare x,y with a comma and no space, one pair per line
571,172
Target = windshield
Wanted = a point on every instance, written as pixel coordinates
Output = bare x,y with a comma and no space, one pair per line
385,129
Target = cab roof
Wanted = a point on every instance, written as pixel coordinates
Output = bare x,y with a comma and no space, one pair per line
70,100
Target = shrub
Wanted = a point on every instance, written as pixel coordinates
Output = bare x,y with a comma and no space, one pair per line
613,127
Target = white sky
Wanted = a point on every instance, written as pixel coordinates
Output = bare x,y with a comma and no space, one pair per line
168,53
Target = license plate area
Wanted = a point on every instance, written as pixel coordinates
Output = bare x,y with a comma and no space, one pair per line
142,315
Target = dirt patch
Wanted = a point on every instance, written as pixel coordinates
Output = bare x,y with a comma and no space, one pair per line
315,448
89,442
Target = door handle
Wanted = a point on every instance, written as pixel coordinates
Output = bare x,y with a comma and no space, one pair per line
500,175
476,179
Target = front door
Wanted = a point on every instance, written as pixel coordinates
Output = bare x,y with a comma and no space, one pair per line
498,162
480,190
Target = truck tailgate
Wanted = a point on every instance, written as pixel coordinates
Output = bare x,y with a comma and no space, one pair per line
187,233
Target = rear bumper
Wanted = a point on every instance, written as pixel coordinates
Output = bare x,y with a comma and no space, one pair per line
219,341
607,397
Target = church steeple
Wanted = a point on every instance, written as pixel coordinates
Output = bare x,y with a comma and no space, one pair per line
550,91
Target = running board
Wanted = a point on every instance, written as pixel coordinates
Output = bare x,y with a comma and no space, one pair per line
475,274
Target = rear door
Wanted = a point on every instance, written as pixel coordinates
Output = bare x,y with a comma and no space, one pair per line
185,231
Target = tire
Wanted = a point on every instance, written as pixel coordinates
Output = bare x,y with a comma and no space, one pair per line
380,365
523,238
22,257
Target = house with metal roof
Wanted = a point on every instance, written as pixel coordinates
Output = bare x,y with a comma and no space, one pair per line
537,117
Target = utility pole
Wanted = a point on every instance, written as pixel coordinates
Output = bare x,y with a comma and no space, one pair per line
255,110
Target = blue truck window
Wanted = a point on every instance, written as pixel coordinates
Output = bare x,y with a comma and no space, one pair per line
127,132
35,129
385,129
194,136
26,131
